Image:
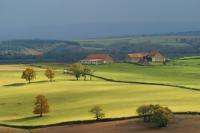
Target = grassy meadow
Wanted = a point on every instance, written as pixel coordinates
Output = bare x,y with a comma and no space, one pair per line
70,99
177,72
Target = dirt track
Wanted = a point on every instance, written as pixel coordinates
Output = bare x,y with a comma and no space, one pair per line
188,124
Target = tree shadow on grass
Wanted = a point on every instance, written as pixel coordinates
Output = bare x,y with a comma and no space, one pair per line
25,119
15,84
22,84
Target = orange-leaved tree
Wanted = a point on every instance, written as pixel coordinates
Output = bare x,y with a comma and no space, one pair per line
28,74
50,74
41,105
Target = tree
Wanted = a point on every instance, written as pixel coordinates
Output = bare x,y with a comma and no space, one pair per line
41,105
49,73
144,111
87,71
161,116
28,74
97,111
77,70
155,114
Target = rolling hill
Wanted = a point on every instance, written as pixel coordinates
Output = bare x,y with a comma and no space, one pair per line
38,50
24,51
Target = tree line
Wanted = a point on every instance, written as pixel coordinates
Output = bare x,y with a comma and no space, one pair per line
75,69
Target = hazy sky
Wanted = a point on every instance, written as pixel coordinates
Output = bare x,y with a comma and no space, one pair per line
75,19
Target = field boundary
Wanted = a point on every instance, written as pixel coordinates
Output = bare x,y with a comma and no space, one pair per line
146,83
89,121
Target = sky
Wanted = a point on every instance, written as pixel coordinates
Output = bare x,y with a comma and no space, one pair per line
79,19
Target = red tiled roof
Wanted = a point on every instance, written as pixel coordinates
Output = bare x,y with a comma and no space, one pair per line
137,55
99,56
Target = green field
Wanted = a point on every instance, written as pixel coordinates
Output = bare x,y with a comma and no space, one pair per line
178,72
70,99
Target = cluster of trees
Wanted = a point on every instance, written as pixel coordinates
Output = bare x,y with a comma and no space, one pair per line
29,74
79,70
155,114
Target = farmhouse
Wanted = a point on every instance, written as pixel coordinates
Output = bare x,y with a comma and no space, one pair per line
96,59
154,56
137,57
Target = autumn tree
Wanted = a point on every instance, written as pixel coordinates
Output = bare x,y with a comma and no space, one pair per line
28,74
41,105
97,112
50,74
76,69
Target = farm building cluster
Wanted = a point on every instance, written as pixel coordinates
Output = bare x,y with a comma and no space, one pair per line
141,58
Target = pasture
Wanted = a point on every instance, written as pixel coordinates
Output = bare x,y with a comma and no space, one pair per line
177,72
70,100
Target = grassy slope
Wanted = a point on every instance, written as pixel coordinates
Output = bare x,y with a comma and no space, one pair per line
70,100
178,72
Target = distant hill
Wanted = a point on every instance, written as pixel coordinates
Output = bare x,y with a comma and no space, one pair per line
41,50
187,33
172,46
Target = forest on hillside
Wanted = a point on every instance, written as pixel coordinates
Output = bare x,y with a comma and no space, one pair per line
70,51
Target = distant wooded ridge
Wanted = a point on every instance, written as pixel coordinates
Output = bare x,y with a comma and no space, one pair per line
171,45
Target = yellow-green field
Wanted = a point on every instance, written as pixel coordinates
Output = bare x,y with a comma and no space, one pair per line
70,99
